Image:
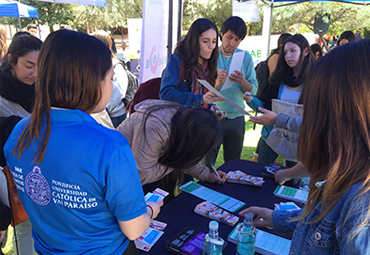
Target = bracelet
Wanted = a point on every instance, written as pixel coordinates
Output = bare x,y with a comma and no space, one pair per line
151,209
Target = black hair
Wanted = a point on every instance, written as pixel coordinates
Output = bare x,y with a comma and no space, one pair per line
21,45
236,25
194,131
316,48
282,38
349,35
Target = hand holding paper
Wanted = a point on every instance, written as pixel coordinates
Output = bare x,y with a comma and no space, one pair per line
213,90
236,64
210,98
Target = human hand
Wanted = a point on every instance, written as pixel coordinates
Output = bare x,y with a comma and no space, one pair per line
267,119
248,96
156,208
281,176
237,76
217,111
210,98
261,213
222,76
212,177
2,234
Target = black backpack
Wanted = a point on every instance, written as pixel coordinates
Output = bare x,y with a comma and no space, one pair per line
133,84
262,75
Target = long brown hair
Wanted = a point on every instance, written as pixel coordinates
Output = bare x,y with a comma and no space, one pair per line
334,141
304,65
189,49
72,66
3,45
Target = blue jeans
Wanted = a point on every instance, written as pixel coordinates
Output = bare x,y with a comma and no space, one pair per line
232,132
267,156
118,120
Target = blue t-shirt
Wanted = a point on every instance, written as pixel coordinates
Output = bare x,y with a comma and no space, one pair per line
86,181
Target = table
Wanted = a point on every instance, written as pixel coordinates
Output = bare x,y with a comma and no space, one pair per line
179,212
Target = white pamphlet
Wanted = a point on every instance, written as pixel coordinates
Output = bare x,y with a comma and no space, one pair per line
217,93
236,64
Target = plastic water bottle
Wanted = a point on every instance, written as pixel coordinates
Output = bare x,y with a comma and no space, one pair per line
213,243
246,236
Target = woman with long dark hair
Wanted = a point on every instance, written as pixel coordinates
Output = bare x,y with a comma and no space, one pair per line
334,147
168,140
346,37
77,180
197,54
286,84
17,96
18,75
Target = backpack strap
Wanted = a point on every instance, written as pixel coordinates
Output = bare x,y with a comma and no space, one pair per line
182,71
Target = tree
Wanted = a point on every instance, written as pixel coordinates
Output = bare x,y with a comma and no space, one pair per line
115,15
342,17
299,16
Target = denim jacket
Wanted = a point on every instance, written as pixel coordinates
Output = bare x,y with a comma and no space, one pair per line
171,90
331,234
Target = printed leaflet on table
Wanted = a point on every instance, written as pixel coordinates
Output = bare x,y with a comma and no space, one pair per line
217,198
266,243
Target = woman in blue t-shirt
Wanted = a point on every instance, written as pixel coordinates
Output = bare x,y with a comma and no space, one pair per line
77,180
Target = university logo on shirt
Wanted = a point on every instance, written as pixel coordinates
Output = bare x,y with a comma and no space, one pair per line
37,187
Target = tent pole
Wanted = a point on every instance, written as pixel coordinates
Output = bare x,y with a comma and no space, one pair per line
19,22
266,28
179,25
38,25
170,20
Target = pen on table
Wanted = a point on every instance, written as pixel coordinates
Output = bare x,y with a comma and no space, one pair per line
215,170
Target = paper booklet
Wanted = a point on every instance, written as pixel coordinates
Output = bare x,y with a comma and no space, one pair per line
155,230
288,206
217,93
156,196
214,212
243,178
266,243
150,236
293,194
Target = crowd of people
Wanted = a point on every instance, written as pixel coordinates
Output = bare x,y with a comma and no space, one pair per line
83,179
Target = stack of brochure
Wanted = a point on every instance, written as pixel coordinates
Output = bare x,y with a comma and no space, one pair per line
293,194
155,230
243,178
214,212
